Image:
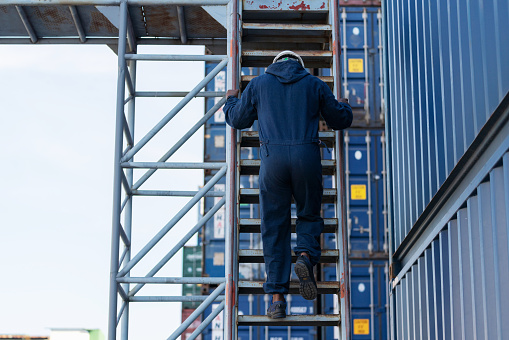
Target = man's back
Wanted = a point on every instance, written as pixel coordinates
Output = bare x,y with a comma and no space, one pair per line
287,101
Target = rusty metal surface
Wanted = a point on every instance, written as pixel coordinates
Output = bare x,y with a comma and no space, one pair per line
148,22
299,27
285,5
55,22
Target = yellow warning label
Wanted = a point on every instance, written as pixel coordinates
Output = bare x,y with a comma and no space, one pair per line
358,191
361,326
355,65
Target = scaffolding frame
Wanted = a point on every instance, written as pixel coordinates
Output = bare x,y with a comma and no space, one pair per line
125,188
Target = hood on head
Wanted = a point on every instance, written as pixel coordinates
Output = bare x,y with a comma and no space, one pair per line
287,72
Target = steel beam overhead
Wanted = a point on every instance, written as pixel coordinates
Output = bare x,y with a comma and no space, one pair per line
115,2
182,24
77,23
111,41
27,24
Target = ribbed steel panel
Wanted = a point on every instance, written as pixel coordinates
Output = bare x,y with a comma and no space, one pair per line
448,127
447,71
456,289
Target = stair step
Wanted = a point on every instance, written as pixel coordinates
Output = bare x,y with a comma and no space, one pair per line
252,166
263,58
290,320
286,27
252,225
256,256
256,287
251,195
250,138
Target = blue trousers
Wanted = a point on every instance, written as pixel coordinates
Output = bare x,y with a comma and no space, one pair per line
286,171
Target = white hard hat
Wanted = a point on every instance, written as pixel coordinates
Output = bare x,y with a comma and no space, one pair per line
289,54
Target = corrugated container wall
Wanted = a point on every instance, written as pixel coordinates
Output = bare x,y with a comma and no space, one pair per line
447,71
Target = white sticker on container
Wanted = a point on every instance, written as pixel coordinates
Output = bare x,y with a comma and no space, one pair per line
219,216
298,310
219,85
358,155
219,115
361,287
218,259
219,141
356,30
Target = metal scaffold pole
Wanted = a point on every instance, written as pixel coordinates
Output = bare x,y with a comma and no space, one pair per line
129,205
231,147
342,271
118,174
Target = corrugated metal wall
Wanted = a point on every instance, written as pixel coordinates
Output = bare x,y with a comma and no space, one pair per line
447,71
458,288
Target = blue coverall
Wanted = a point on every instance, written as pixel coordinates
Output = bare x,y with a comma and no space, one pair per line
288,101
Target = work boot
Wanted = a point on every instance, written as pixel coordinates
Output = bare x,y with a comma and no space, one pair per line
304,271
277,310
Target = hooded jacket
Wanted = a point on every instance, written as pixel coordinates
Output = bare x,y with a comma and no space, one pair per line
287,101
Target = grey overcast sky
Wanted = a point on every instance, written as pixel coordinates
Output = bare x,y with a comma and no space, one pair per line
57,115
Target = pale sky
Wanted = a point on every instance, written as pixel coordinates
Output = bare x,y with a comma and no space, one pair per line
57,116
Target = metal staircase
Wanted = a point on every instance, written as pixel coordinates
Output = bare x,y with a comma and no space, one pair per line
260,30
